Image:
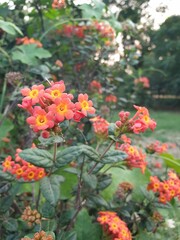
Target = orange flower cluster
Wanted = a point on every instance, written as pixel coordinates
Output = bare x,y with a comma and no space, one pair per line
103,28
144,81
157,147
167,189
95,86
111,98
22,169
51,106
58,4
27,41
100,126
135,158
70,30
40,236
113,226
139,123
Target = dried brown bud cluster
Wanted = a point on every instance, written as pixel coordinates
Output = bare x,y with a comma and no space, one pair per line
124,188
40,236
157,217
13,77
31,216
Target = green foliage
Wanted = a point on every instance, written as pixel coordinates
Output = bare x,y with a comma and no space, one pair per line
29,54
171,162
10,27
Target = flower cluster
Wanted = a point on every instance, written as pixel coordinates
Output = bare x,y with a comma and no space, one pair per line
31,216
103,28
58,4
135,158
95,87
113,226
111,98
27,41
100,126
157,147
22,169
51,106
167,189
144,81
139,123
39,236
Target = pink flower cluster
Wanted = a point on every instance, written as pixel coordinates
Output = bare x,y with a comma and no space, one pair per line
100,126
139,123
51,106
144,81
22,169
157,147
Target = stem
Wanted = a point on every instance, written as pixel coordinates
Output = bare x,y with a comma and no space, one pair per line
55,151
38,198
80,183
75,215
3,95
40,14
108,147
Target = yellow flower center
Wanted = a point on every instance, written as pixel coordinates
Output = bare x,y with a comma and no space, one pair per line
31,175
41,120
84,104
55,93
62,108
33,93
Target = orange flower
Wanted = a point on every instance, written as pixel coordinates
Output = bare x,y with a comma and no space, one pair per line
7,164
84,104
111,98
62,109
40,119
100,126
27,41
55,91
33,94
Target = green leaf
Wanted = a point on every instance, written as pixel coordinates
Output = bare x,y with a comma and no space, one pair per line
6,126
10,225
50,140
89,180
67,235
113,156
29,54
5,175
10,27
104,181
38,157
90,152
134,176
98,200
85,228
171,162
48,211
67,155
50,187
94,10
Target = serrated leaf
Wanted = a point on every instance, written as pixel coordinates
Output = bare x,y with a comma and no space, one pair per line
67,235
90,152
67,155
89,180
48,211
104,181
50,187
98,200
38,157
113,156
29,54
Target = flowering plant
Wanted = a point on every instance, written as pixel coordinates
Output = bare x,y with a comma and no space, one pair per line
84,166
